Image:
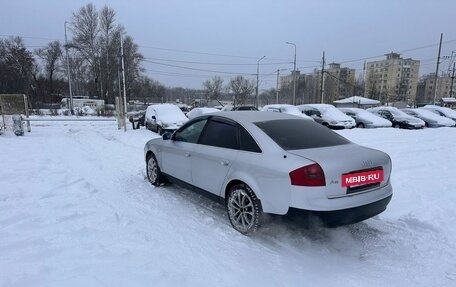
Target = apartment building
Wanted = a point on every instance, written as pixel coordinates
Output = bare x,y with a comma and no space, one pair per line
339,83
426,86
394,79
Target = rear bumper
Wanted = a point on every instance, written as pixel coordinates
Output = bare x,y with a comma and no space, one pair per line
346,216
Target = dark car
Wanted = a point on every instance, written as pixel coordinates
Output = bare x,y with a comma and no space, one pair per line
398,118
244,108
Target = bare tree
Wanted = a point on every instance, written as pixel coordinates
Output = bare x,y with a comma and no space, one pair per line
241,88
50,55
85,28
213,88
16,66
108,28
133,60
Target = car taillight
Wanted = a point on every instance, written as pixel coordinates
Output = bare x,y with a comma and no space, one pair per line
309,175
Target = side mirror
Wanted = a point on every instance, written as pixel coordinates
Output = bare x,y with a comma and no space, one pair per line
167,136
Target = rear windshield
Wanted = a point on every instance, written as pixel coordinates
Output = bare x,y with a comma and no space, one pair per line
292,134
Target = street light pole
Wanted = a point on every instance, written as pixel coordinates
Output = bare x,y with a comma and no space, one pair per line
294,72
68,70
258,72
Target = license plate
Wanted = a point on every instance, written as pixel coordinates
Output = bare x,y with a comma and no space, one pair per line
362,178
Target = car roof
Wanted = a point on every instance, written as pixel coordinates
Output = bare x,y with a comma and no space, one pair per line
318,106
384,108
254,116
278,106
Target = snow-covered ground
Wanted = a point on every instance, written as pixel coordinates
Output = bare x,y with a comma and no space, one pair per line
76,210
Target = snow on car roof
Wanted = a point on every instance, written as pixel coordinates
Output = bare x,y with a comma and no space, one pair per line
254,116
446,111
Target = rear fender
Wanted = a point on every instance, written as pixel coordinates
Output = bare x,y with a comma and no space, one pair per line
268,188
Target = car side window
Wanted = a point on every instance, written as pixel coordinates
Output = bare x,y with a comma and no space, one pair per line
247,142
190,133
308,112
220,134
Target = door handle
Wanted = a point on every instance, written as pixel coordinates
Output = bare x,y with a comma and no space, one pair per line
224,162
187,154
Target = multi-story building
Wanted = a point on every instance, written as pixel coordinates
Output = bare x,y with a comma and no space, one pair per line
339,83
392,80
426,89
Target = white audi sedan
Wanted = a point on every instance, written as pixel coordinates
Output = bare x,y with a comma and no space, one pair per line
273,163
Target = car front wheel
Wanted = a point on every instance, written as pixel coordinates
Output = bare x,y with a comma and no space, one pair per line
244,209
153,171
360,125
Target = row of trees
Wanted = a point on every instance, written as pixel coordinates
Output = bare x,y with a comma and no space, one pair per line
94,60
239,88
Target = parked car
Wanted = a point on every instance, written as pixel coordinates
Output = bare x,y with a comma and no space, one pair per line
364,119
137,119
287,109
430,119
442,111
196,112
398,117
276,163
164,117
328,115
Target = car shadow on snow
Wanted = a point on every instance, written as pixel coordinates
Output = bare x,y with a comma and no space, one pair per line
295,230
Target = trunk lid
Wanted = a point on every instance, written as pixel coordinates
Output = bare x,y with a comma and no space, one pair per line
343,159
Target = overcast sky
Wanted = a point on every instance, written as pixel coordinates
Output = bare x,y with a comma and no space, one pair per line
231,35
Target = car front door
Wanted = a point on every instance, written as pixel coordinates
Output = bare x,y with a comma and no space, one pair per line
177,153
214,154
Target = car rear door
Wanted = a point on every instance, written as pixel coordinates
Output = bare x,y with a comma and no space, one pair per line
214,154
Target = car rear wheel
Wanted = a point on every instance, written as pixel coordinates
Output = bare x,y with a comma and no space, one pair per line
244,209
396,126
153,171
360,125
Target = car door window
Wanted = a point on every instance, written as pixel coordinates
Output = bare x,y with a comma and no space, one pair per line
247,142
220,134
190,133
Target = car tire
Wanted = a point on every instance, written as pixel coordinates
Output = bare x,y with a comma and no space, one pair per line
396,126
153,171
244,209
360,125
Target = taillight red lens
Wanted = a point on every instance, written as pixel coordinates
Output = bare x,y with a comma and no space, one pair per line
309,175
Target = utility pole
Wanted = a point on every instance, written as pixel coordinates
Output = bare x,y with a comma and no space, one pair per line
436,78
277,88
257,82
294,72
452,80
322,82
68,71
124,89
364,79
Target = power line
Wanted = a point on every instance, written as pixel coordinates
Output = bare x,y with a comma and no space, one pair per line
197,69
29,37
212,63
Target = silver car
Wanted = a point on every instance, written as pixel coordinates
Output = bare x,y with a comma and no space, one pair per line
273,163
364,119
430,119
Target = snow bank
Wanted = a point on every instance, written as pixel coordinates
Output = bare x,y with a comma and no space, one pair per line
76,210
